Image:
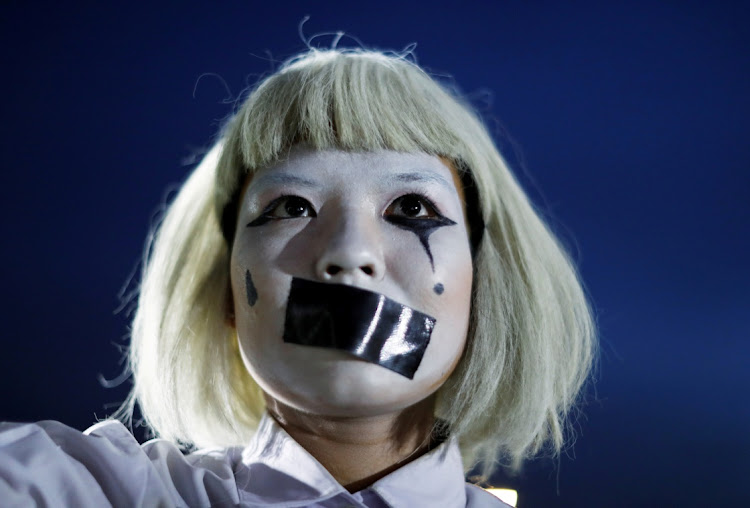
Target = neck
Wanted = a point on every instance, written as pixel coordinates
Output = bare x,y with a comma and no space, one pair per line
358,451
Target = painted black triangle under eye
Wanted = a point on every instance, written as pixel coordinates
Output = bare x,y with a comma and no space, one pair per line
423,228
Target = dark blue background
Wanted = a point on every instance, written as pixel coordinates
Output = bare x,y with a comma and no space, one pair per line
627,123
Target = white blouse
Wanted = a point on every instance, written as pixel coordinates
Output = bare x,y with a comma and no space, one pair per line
50,464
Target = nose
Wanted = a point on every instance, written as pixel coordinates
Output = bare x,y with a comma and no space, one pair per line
351,252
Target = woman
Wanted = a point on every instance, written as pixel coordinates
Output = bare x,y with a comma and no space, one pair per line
348,290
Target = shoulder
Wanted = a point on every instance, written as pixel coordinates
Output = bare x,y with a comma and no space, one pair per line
477,497
51,463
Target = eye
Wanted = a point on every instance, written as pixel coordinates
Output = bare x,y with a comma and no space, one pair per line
285,207
412,206
289,207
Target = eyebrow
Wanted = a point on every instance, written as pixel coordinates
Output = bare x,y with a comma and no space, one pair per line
273,178
422,177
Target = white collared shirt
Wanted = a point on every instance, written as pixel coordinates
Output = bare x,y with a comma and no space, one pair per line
50,464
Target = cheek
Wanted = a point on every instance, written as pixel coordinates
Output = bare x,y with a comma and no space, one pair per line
250,290
257,287
450,299
452,305
449,336
453,265
259,294
440,289
255,265
444,294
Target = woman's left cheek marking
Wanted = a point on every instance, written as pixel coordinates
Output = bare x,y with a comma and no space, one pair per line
423,228
439,288
252,293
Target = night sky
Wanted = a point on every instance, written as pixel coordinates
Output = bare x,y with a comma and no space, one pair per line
627,123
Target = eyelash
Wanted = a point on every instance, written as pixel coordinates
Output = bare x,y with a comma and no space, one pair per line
425,201
266,214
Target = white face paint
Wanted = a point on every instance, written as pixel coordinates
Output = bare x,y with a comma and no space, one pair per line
331,216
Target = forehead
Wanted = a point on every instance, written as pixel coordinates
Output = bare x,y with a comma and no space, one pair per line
384,168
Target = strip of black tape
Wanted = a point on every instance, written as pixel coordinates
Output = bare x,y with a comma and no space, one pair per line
368,325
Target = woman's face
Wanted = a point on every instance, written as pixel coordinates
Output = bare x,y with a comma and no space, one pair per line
388,222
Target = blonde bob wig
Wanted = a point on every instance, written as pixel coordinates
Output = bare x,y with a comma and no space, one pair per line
532,336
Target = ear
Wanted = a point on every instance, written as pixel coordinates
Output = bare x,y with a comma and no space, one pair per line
229,308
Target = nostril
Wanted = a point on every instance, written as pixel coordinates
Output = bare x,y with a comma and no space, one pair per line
333,269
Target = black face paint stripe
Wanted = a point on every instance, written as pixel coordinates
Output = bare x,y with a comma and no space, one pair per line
439,288
252,293
367,325
423,228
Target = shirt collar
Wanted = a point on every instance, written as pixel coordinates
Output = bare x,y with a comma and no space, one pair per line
275,469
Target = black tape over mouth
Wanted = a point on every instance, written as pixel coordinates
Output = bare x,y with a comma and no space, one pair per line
367,325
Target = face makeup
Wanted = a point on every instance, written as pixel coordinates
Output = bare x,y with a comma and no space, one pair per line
420,227
334,233
250,291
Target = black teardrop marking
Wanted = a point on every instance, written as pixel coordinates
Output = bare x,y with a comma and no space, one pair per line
439,288
252,293
423,228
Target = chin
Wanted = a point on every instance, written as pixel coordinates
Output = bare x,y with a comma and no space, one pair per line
348,388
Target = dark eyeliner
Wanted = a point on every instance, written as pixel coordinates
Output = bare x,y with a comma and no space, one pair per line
265,216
